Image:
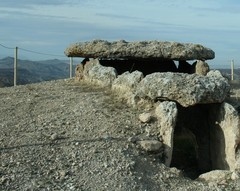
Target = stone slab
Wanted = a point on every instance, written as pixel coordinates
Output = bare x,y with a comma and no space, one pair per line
139,50
185,89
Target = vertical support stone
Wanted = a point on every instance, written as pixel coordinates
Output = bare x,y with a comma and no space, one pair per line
166,113
225,137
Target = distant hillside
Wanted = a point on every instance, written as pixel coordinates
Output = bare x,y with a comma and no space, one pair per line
32,71
37,71
227,73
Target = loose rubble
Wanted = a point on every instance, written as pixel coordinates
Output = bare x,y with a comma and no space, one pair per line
145,117
62,135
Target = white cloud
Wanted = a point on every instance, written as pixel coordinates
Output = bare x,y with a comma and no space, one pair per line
55,24
29,3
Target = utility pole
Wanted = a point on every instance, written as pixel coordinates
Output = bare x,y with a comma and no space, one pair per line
15,66
70,68
232,70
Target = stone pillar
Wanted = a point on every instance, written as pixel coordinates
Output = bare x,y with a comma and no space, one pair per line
166,113
225,137
202,68
97,74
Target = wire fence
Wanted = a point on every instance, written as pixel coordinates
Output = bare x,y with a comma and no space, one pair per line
14,66
233,74
31,51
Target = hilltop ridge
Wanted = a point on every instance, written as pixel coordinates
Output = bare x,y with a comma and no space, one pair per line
32,71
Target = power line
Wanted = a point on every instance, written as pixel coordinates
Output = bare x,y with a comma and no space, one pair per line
6,47
35,52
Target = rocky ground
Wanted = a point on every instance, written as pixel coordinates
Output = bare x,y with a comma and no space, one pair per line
60,135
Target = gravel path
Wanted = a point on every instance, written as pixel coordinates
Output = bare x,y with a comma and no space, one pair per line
60,135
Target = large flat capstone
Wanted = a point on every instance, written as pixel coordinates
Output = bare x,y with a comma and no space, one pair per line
185,89
139,50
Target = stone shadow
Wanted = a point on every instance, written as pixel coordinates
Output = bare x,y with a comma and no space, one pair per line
198,142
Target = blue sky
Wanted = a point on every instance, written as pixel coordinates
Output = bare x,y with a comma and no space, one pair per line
49,26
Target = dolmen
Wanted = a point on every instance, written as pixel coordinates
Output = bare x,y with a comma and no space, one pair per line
187,99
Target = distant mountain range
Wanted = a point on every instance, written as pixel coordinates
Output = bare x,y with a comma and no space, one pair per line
227,73
37,71
32,71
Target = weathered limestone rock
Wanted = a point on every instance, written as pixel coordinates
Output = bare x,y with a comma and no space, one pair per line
235,175
88,66
127,82
79,72
166,113
54,136
217,176
183,88
125,85
151,145
225,137
98,74
143,49
201,68
145,117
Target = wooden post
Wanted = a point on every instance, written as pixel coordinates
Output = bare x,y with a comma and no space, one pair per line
232,70
70,68
15,66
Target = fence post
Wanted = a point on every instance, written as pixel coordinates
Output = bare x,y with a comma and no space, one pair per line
15,66
71,64
232,70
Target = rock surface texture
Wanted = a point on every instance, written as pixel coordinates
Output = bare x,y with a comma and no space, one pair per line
170,89
98,74
201,68
225,137
166,113
195,130
62,135
185,89
140,50
219,176
150,145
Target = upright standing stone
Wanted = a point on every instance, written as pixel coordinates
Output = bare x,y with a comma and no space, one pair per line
225,137
98,74
125,85
201,68
166,113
